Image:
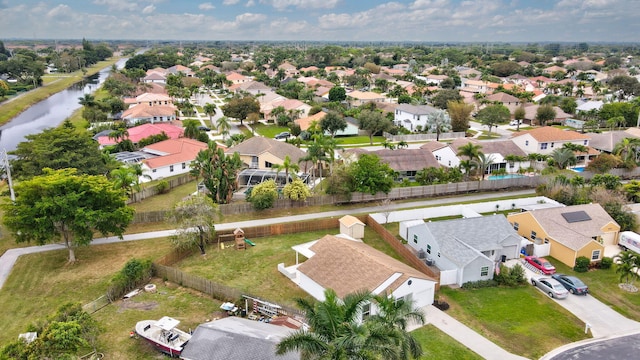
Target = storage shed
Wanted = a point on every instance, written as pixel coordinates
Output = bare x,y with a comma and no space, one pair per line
352,226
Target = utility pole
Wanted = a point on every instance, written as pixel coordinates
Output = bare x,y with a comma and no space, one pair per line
7,167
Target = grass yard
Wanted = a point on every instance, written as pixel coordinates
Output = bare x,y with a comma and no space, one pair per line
437,345
603,285
165,201
488,135
269,131
255,270
10,109
358,140
522,320
40,283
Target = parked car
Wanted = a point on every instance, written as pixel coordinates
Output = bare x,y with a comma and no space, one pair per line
572,283
203,128
283,135
515,122
550,286
541,264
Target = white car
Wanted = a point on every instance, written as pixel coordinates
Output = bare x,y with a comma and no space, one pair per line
550,286
515,122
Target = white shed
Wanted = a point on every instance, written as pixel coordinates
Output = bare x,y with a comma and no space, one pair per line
352,226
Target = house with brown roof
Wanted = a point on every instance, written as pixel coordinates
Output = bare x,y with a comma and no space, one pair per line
510,101
406,162
571,231
499,151
347,265
171,157
545,139
262,153
552,69
357,98
145,113
237,78
294,106
444,154
289,69
252,87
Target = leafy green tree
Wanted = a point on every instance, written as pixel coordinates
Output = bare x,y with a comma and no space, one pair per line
624,218
296,190
545,113
287,166
66,205
444,96
519,115
603,163
337,93
627,263
264,195
438,122
370,175
564,157
241,107
608,181
373,122
332,123
210,110
493,115
194,219
218,172
58,148
460,114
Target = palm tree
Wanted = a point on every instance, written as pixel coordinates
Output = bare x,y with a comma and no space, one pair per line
223,125
397,313
484,163
564,157
191,130
468,166
88,100
124,178
287,166
210,109
336,331
628,149
439,122
470,150
627,264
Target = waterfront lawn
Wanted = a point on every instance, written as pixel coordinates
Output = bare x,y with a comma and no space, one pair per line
521,320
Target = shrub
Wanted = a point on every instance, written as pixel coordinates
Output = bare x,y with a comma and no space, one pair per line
510,276
479,284
606,263
582,264
134,273
264,195
162,187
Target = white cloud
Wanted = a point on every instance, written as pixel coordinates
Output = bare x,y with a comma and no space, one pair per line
250,3
117,5
250,18
301,4
230,2
206,6
148,9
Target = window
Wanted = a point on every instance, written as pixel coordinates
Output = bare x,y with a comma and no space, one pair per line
170,168
449,163
438,253
551,144
154,170
533,235
268,165
543,146
546,241
585,142
526,143
184,166
484,271
516,226
512,165
415,238
366,310
595,255
428,249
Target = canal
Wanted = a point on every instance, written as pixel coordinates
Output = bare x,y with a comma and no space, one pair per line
50,112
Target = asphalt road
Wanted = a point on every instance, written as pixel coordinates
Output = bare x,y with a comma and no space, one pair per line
619,348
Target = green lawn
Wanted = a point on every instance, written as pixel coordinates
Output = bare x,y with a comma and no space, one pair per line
486,135
359,140
603,285
269,131
522,320
437,345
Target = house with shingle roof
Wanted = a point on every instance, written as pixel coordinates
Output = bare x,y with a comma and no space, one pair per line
347,265
464,249
572,231
406,162
171,157
357,98
411,116
262,153
251,87
155,77
291,105
545,139
499,151
145,113
444,154
510,101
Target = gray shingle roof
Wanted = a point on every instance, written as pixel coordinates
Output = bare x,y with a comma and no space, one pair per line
481,233
258,145
416,109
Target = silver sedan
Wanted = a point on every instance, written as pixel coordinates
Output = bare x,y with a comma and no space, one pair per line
550,286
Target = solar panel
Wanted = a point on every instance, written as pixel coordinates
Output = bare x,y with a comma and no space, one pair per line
576,216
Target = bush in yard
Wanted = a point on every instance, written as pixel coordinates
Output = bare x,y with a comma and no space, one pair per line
134,273
163,187
479,284
511,276
606,263
582,264
264,195
296,190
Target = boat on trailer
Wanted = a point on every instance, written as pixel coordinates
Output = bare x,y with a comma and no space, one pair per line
164,335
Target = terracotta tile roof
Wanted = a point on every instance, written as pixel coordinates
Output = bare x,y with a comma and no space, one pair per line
235,76
304,123
176,151
347,266
550,133
138,133
146,97
144,110
258,145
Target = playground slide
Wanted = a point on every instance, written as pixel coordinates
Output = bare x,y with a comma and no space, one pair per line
249,242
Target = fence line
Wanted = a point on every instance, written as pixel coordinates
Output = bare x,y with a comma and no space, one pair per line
424,137
154,190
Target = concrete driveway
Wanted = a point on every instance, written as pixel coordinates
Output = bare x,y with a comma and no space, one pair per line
602,320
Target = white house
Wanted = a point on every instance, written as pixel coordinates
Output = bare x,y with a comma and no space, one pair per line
499,151
464,249
544,140
443,153
173,157
347,265
412,116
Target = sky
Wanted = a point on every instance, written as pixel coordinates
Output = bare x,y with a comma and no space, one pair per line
324,20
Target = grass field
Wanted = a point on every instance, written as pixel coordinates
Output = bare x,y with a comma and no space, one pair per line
437,345
10,109
522,320
269,131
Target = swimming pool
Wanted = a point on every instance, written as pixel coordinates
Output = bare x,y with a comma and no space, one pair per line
507,176
578,169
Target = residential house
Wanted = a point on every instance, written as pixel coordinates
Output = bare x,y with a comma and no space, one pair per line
468,73
544,140
306,122
290,105
251,87
464,249
587,106
435,79
509,101
474,86
572,231
607,141
444,154
553,69
151,99
289,70
347,265
145,113
262,153
406,162
172,157
140,132
357,98
499,152
236,78
181,69
412,116
155,77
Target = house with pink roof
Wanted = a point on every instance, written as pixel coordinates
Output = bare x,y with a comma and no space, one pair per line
140,132
171,157
236,78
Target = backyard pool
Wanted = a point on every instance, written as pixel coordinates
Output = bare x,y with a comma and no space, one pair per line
578,169
507,176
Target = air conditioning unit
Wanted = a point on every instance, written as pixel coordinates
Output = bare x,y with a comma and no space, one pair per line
429,261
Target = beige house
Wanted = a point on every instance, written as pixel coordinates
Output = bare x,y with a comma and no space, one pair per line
357,98
262,153
571,231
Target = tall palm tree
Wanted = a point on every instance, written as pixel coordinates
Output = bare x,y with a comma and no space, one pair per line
191,130
397,313
209,109
628,149
336,332
470,150
223,125
287,166
564,157
626,264
124,178
468,166
484,163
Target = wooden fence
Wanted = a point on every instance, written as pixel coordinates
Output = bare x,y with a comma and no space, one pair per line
153,190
